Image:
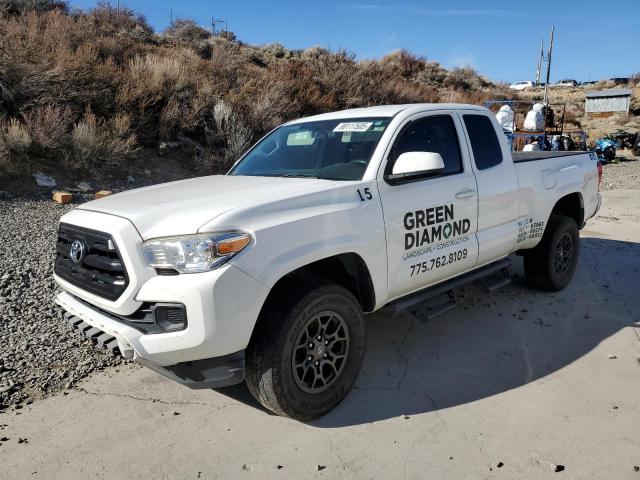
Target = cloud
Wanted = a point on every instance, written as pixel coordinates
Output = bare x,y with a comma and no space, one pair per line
461,57
462,60
411,10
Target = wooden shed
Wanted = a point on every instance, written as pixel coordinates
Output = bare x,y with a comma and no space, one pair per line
607,102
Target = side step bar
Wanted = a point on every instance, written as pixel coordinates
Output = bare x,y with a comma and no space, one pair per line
447,287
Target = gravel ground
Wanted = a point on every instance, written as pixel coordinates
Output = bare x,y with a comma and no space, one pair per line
39,354
622,175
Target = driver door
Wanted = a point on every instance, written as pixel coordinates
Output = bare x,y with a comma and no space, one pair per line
430,223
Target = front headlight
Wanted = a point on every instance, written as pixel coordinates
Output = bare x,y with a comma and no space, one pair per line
194,253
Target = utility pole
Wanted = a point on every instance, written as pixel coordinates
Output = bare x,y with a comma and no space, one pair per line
215,21
171,16
546,85
539,69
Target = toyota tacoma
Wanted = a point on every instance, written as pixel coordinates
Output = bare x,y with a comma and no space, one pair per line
265,275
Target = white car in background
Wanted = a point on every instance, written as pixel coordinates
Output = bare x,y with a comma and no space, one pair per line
521,85
568,83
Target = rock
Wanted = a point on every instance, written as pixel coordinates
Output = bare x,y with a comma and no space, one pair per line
611,356
176,413
499,464
103,193
558,468
321,467
130,179
84,187
43,180
6,387
62,197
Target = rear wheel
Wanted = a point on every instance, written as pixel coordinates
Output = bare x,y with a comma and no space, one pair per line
609,153
307,350
551,265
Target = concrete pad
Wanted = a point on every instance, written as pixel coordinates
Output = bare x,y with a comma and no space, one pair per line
510,385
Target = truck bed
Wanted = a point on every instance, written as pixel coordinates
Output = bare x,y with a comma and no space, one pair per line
542,155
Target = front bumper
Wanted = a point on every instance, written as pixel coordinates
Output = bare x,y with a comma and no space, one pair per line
208,373
222,307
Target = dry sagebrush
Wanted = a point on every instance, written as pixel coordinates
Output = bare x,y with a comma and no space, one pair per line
94,86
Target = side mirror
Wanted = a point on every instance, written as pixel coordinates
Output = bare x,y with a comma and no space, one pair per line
414,166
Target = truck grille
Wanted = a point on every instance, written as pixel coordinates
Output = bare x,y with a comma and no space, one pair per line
90,260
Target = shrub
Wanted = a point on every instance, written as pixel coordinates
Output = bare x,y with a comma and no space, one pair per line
4,154
232,130
227,35
433,74
153,74
211,92
228,137
186,32
276,50
101,143
49,125
19,7
464,78
402,63
120,22
16,136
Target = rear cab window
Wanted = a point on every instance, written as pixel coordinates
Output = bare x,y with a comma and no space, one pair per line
485,145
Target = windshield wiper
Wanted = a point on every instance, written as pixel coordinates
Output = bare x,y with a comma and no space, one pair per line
295,175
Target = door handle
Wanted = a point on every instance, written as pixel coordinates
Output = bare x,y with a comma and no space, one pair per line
466,193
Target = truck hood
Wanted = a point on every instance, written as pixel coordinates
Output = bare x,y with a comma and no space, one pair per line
182,207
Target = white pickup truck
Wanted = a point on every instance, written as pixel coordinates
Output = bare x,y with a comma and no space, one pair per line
264,275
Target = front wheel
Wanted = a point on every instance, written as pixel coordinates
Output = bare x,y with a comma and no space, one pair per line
307,350
551,264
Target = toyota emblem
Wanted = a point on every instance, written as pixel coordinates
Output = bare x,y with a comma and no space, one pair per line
76,252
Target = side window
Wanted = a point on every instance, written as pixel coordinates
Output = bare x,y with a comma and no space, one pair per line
430,134
484,142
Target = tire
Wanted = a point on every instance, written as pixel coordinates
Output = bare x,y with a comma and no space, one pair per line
609,153
550,266
279,372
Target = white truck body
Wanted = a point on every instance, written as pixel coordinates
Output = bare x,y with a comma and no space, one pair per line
405,237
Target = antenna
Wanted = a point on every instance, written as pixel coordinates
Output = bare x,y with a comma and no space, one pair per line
546,85
539,69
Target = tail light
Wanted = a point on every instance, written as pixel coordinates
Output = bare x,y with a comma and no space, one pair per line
599,174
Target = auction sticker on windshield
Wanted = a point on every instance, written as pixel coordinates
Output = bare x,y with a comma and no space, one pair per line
353,127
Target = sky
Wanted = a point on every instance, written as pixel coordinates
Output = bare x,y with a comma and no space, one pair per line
594,39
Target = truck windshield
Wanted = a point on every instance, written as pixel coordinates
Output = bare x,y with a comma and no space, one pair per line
328,149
